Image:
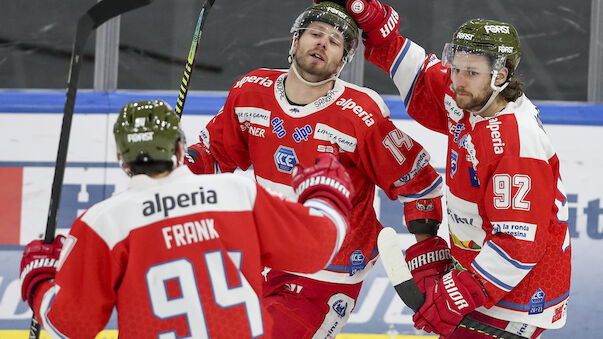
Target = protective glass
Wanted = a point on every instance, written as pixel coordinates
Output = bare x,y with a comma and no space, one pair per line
462,58
348,31
334,37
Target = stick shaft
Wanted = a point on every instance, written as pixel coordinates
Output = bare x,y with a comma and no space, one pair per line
94,17
188,68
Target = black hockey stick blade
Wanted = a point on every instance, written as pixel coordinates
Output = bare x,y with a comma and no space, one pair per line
188,68
397,271
94,17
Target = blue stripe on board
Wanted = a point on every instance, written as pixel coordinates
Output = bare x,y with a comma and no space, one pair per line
209,103
52,163
440,170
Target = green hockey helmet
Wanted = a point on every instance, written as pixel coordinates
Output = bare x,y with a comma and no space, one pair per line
147,131
498,40
334,15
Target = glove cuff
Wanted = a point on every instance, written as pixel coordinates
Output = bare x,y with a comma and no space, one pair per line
384,32
428,251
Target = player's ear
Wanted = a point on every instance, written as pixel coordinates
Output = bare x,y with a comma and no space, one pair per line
501,77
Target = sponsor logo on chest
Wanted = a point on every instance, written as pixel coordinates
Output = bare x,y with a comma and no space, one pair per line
454,112
264,81
453,162
166,203
346,104
458,219
302,133
497,143
327,133
278,128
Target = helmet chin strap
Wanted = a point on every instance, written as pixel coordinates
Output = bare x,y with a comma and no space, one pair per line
495,91
315,83
306,82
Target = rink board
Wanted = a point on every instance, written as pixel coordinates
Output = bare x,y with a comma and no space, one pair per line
29,130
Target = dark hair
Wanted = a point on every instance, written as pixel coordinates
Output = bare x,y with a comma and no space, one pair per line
149,168
515,88
145,165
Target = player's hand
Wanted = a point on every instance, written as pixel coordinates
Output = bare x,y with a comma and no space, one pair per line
39,263
428,261
446,303
423,216
326,179
194,158
379,22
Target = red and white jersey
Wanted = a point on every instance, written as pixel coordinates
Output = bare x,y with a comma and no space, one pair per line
506,204
183,255
258,127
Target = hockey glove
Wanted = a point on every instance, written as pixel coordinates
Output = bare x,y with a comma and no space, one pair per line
199,160
380,23
447,302
423,216
428,261
326,179
39,263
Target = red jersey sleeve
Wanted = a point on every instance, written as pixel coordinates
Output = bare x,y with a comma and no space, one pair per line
70,308
420,78
517,200
397,163
295,237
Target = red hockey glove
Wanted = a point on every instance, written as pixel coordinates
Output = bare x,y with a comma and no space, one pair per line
39,263
423,216
447,302
379,22
199,160
326,179
428,261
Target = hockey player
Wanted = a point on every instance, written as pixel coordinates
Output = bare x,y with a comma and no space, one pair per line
180,255
274,119
506,204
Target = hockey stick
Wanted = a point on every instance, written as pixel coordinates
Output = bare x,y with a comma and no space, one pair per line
89,21
188,70
400,277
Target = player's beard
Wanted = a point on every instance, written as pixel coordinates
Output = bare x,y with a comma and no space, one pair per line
474,102
311,70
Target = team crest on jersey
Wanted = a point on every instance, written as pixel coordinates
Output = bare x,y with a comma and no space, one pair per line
285,158
537,302
277,127
302,133
453,162
340,307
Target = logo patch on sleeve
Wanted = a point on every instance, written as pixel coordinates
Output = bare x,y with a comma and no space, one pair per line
537,302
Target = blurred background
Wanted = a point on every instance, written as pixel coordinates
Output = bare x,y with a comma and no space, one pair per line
146,49
141,55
